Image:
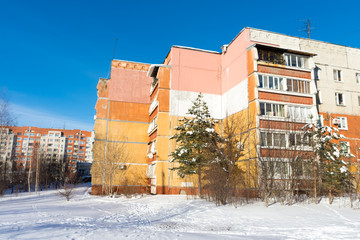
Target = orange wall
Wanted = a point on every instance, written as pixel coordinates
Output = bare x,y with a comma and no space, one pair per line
252,87
126,111
164,98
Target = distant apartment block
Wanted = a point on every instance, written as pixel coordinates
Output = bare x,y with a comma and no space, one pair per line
20,145
273,79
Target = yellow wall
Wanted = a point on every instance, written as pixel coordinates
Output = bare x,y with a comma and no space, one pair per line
100,129
128,131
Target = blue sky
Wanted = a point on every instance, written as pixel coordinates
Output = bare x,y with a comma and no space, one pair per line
53,52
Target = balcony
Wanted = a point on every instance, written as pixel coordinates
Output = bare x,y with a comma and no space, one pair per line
283,57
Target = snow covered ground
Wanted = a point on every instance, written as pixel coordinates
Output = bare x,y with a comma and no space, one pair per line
49,216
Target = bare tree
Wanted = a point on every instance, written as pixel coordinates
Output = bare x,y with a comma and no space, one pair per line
112,167
7,118
223,176
67,191
284,157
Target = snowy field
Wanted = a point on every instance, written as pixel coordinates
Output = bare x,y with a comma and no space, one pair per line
49,216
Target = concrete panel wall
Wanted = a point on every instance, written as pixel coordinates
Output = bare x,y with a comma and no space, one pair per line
163,123
128,85
229,103
235,100
328,57
127,131
100,129
234,61
137,112
181,101
195,71
275,39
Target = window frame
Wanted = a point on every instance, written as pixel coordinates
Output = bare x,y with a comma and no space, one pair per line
299,60
357,77
337,75
337,94
274,109
343,120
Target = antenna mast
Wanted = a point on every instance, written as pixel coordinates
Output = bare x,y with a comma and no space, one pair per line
307,28
112,58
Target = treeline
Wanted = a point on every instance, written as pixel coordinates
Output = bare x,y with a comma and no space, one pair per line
40,173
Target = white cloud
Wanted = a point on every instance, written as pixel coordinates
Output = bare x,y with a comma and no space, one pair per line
26,116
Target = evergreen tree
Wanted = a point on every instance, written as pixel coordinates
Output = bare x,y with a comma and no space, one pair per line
333,158
194,139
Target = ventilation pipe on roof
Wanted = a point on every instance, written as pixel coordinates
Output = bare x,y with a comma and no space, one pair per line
224,48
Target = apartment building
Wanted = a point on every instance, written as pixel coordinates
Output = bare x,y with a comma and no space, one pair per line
273,81
6,146
23,143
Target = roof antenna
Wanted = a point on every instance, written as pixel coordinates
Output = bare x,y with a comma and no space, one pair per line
112,58
307,28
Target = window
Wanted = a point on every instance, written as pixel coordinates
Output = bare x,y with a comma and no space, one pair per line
38,134
276,169
271,82
19,133
270,109
337,75
270,56
293,60
70,136
344,147
339,97
272,139
69,150
358,78
295,139
19,138
299,86
342,123
70,141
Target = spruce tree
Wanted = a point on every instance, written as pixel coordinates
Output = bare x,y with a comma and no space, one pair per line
194,138
333,158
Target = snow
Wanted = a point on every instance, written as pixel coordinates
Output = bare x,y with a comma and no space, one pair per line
209,130
343,169
48,216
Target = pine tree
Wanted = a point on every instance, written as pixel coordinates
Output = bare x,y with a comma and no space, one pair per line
333,158
194,138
